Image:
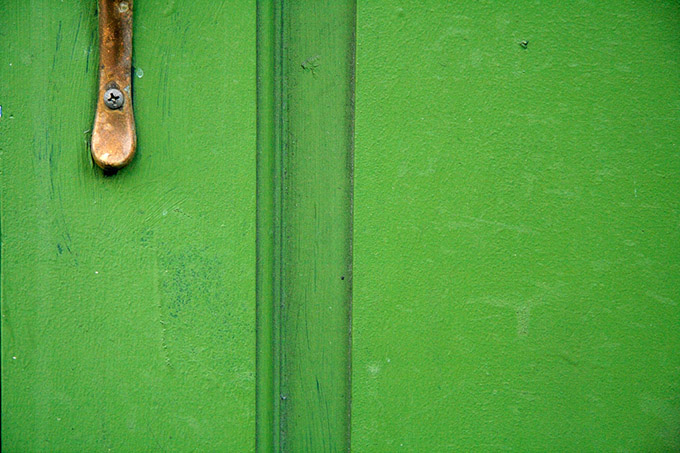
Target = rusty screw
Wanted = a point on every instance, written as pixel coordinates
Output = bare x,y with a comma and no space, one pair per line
113,98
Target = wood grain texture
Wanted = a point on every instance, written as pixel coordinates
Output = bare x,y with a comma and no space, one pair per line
517,240
128,302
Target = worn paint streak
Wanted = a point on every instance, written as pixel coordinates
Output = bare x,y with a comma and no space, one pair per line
316,159
128,318
517,240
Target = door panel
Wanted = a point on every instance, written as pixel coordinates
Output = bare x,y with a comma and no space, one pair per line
516,272
128,312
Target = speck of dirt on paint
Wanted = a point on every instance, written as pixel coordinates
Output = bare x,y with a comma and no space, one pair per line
14,357
524,44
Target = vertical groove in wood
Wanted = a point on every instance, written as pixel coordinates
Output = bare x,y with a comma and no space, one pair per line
266,183
305,161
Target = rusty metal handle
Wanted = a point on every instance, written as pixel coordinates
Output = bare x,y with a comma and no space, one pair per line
113,136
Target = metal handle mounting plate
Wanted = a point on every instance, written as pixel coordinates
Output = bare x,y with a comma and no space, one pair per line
114,138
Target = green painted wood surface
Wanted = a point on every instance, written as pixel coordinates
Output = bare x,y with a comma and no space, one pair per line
316,42
128,301
517,227
304,278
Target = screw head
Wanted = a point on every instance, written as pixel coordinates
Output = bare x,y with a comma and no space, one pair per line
113,98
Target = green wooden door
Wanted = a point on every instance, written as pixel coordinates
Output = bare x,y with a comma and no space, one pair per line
488,190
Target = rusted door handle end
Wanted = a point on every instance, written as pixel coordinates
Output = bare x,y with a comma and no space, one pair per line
113,135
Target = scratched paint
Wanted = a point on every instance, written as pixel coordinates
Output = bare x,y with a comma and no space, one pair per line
517,250
128,318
